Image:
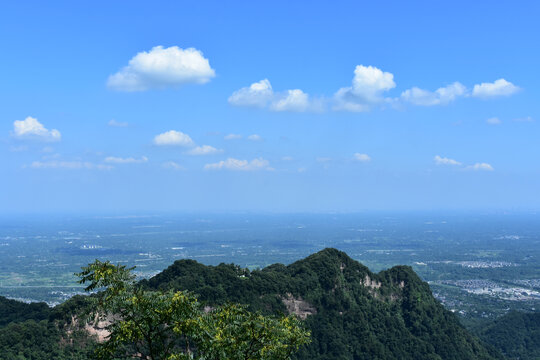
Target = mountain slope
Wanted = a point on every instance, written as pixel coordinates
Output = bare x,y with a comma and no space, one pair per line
16,311
515,334
351,312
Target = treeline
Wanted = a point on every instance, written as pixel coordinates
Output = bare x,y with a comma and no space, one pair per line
516,334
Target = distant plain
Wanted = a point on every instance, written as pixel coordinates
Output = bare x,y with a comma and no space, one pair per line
478,265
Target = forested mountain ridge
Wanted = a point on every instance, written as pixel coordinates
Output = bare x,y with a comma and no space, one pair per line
351,312
16,311
36,331
516,334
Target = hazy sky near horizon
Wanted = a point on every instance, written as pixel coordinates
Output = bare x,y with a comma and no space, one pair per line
269,106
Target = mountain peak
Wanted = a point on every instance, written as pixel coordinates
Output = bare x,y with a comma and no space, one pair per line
351,311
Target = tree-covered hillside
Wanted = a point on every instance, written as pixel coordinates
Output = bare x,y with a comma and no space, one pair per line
352,313
37,332
516,334
16,311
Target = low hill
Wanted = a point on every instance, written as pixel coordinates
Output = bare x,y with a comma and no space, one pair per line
516,334
351,312
16,311
38,332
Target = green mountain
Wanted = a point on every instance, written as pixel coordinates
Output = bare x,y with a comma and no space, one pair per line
516,334
36,331
351,312
16,311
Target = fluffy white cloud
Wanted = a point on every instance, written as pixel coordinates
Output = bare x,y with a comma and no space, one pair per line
255,137
114,123
445,161
441,96
233,137
323,159
31,128
370,82
287,158
173,165
362,157
73,165
204,150
258,94
499,87
368,85
240,165
173,137
295,100
162,67
494,121
368,89
261,94
480,167
129,160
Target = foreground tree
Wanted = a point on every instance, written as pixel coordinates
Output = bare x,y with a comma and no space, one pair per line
172,325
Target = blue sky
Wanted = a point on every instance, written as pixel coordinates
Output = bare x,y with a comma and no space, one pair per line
269,106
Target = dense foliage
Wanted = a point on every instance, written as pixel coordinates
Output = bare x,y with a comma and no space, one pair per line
16,311
516,334
42,340
351,312
157,325
359,315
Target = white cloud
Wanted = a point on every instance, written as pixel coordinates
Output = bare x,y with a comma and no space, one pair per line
524,119
494,121
445,161
173,165
129,160
255,137
362,157
370,82
287,158
480,167
240,165
476,167
368,90
72,165
114,123
368,85
162,67
173,137
296,100
261,94
31,128
323,159
344,104
258,94
204,150
441,96
233,137
499,87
